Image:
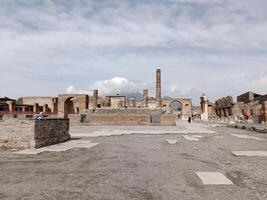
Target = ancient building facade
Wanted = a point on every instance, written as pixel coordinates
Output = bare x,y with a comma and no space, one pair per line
40,104
224,106
72,104
181,107
249,106
75,105
207,108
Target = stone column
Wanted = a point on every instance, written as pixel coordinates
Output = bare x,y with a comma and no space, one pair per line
222,113
158,88
264,111
226,111
132,103
23,109
145,99
204,108
11,106
45,108
95,98
36,108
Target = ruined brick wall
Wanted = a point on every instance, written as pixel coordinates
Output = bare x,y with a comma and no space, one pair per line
79,106
255,111
41,101
129,117
264,106
186,106
167,120
23,134
113,119
51,131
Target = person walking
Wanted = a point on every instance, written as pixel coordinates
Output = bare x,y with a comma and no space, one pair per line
189,120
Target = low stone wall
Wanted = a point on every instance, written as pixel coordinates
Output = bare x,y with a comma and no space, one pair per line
168,120
113,119
22,134
50,131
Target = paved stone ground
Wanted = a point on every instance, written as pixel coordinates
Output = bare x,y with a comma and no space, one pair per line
140,165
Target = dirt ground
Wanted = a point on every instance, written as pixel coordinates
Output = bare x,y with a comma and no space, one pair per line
139,166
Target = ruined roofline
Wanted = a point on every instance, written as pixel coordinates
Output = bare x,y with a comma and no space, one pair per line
37,97
116,96
73,94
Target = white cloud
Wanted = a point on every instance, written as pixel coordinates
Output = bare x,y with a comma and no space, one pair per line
119,85
202,45
70,89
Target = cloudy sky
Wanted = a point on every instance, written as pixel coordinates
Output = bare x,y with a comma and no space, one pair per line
55,46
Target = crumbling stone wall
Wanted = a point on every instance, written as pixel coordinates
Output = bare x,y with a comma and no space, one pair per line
113,119
49,102
167,120
255,111
186,106
129,117
50,131
72,104
23,134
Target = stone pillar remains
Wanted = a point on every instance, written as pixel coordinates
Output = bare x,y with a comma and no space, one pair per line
36,108
145,99
11,106
95,98
204,107
132,103
158,88
45,108
264,111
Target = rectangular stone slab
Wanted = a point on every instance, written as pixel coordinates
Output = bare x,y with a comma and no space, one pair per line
213,178
246,137
172,141
60,147
190,138
250,153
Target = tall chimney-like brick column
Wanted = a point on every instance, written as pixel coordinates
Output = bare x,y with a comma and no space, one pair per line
145,99
95,98
158,88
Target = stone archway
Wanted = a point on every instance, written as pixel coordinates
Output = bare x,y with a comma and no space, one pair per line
72,104
176,105
69,106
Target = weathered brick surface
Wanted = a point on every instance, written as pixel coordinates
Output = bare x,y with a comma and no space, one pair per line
113,119
129,117
167,120
22,134
51,131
